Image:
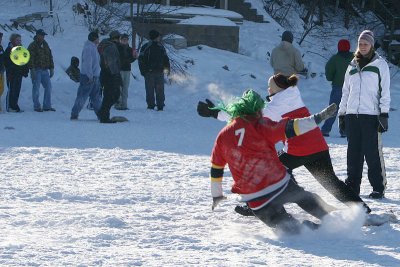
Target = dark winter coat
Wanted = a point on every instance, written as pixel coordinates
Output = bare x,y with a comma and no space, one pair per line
73,70
41,56
126,57
153,58
336,67
109,57
11,68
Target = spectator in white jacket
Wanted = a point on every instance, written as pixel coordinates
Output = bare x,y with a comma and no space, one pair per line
363,115
89,86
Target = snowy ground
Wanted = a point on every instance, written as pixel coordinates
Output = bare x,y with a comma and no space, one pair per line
137,194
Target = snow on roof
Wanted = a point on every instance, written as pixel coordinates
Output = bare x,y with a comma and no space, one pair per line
208,20
200,11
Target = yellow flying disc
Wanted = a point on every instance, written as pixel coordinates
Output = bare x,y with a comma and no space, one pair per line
20,55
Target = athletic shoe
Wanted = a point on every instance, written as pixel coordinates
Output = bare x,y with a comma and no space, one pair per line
18,110
244,210
38,110
49,109
74,117
325,134
376,195
107,121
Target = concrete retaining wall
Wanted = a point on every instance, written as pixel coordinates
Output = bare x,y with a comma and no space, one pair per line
221,37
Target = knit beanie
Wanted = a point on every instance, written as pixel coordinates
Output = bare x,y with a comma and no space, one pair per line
368,36
153,34
343,45
93,36
287,36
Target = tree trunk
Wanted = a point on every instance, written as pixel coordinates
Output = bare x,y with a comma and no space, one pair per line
310,11
133,28
321,12
347,14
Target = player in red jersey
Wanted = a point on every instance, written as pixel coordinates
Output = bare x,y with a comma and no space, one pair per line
247,146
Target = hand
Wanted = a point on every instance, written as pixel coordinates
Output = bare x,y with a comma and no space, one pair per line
383,122
33,74
51,73
216,201
326,113
203,109
342,125
134,53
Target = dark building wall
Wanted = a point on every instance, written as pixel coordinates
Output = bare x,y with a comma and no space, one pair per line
221,37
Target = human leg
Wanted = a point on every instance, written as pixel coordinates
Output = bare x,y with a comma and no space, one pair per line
159,88
95,95
35,90
123,100
309,202
355,156
81,96
275,216
45,80
335,97
15,82
372,147
149,81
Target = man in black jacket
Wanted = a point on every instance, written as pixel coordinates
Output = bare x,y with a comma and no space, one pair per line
126,54
110,77
153,61
14,75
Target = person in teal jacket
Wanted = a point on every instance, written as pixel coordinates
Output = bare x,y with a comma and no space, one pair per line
335,70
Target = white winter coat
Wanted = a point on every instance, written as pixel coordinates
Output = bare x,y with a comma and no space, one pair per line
366,91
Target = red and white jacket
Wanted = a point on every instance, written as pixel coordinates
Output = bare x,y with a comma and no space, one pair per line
289,104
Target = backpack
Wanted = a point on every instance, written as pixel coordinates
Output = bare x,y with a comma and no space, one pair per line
100,48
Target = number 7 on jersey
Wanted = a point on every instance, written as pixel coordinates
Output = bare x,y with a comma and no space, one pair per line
240,132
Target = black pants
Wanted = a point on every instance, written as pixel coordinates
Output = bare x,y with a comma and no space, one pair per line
14,82
111,91
154,83
320,166
364,141
275,215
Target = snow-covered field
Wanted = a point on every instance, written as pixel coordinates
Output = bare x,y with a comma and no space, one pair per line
81,193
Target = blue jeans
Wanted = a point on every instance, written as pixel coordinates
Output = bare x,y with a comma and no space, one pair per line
42,76
85,90
336,96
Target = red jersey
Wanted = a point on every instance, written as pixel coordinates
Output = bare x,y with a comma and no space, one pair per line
248,147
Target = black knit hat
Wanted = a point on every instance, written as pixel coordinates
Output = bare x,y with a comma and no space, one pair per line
287,36
93,36
153,34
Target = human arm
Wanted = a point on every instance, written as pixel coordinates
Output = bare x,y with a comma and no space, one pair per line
330,69
216,175
302,125
298,61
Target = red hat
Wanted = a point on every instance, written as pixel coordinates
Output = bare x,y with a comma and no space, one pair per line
343,45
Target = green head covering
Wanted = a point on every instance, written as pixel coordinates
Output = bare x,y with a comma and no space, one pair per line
250,103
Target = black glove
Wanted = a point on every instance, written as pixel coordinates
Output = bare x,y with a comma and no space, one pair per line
203,109
383,122
342,125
